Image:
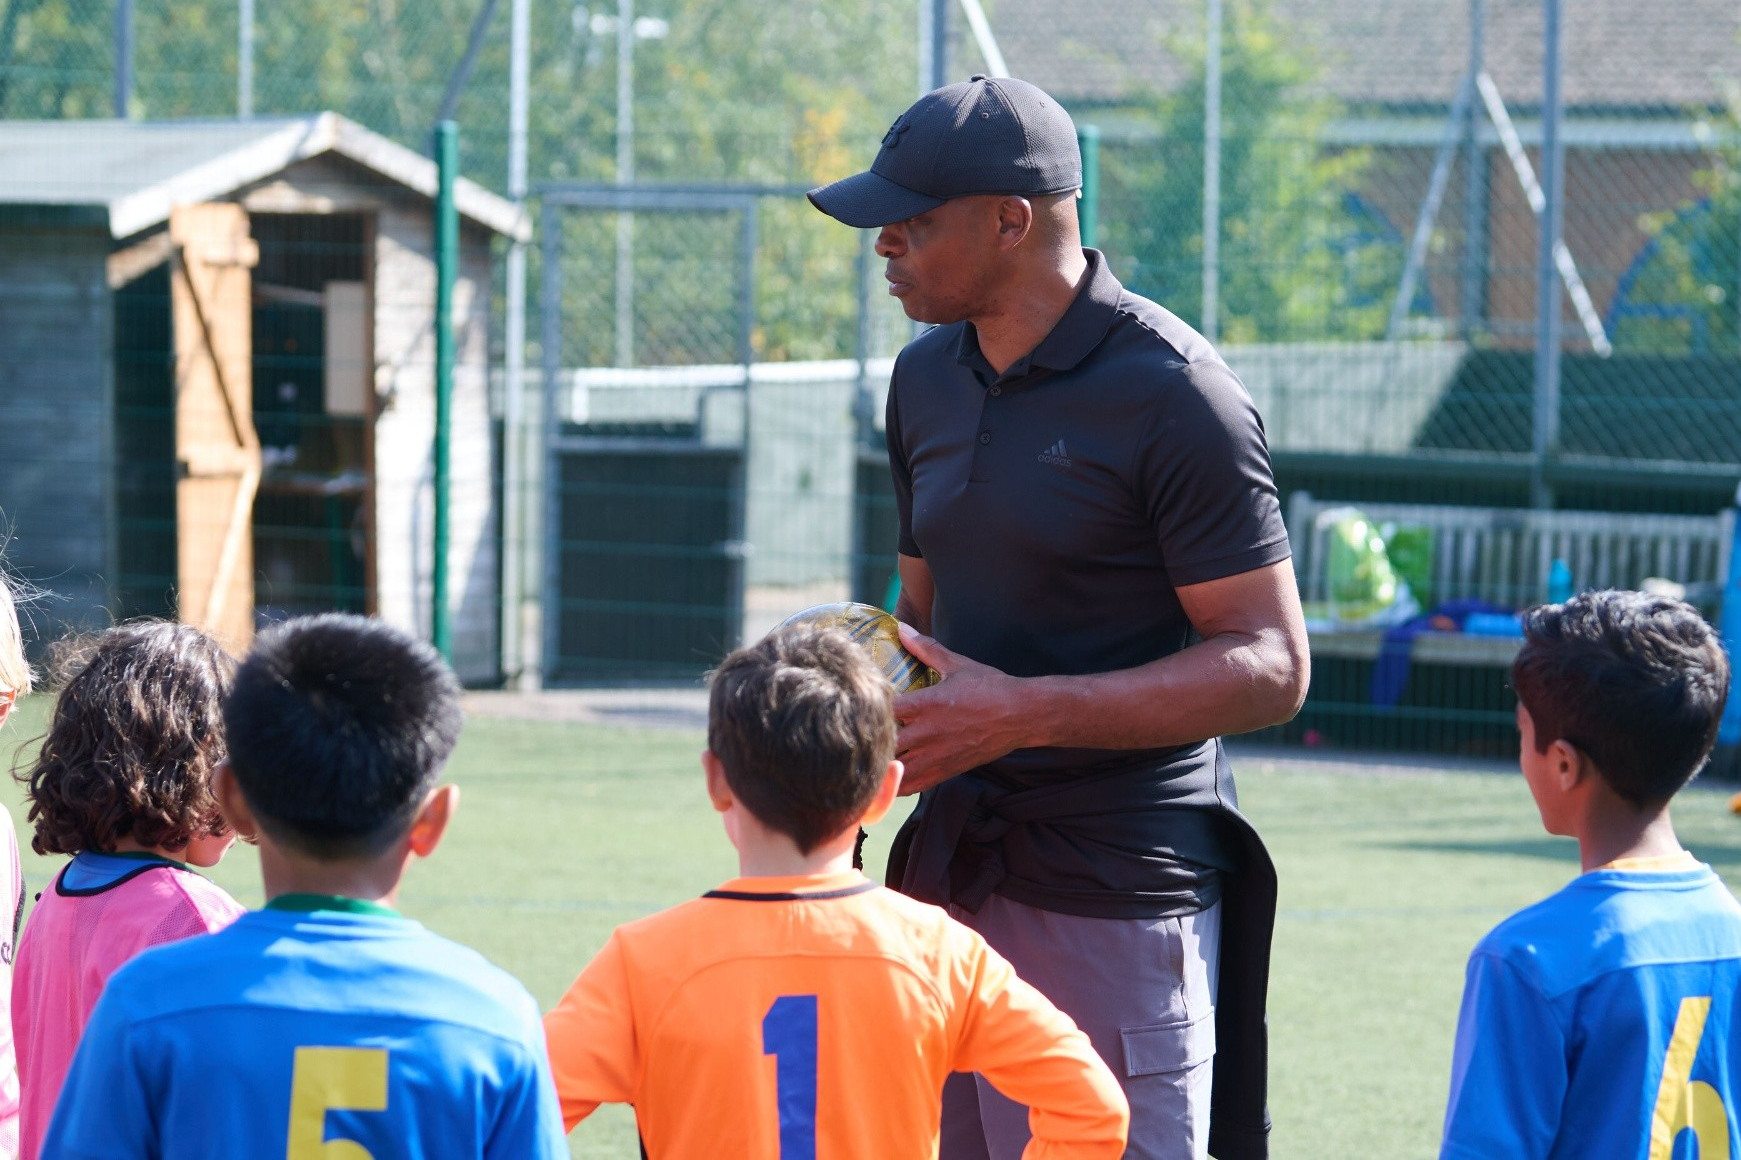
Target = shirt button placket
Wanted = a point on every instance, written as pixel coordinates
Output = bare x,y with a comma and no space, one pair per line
979,472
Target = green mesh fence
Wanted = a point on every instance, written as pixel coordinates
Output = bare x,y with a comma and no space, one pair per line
722,92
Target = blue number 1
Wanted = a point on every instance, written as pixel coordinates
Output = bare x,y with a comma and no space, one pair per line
789,1035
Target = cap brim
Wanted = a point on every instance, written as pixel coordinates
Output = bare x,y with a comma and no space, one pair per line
868,200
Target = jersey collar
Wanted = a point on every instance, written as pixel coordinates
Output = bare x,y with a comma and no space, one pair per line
134,856
96,872
796,884
1661,864
309,903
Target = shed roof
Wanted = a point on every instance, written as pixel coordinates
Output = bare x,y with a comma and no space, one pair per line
1619,55
133,172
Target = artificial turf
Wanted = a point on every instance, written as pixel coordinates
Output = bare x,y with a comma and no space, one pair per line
1387,879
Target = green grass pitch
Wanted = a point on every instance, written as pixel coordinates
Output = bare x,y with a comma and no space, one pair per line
1387,880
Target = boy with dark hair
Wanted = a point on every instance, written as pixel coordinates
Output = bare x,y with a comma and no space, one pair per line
1602,1022
801,1010
325,1024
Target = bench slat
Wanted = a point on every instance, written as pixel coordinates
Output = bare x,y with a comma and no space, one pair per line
1505,555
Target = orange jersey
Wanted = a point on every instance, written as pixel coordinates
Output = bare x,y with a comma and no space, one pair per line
817,1016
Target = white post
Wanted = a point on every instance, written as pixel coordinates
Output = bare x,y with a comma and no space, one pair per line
933,47
1429,212
983,37
123,59
1551,224
520,643
1212,175
245,59
1532,192
933,44
625,282
926,17
1473,296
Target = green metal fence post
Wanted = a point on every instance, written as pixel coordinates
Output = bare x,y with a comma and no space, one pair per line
446,264
1088,209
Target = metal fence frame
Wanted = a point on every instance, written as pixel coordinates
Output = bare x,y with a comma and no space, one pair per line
556,200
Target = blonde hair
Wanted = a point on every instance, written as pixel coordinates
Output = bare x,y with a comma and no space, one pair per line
14,669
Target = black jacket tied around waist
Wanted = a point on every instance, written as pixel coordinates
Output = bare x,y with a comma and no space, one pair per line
1152,840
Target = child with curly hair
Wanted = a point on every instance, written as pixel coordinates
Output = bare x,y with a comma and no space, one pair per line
14,683
123,784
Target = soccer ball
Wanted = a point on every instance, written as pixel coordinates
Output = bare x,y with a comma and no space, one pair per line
875,632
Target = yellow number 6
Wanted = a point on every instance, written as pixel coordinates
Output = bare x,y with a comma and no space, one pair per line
1683,1102
351,1078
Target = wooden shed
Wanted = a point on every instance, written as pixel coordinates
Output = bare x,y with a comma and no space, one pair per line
217,376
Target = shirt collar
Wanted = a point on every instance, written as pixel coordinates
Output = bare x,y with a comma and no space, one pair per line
1074,336
309,903
1662,863
94,871
95,857
795,883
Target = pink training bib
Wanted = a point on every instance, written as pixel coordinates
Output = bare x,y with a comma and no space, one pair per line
11,912
101,910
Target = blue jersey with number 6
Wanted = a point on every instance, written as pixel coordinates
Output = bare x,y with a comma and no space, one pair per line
305,1035
1602,1022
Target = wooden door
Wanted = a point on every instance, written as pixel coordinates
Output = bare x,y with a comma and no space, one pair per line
217,450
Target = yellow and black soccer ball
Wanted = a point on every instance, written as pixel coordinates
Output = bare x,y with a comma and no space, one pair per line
876,633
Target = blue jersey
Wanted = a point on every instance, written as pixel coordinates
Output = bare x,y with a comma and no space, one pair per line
1602,1022
292,1031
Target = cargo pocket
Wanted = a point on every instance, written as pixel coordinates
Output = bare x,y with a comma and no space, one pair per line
1163,1047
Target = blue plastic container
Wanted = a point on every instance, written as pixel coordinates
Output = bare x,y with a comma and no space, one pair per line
1492,624
1560,585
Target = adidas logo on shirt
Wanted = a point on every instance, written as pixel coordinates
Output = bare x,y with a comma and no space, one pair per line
1056,455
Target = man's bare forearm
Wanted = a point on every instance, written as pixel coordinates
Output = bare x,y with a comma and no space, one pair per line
1231,683
918,591
1250,670
909,613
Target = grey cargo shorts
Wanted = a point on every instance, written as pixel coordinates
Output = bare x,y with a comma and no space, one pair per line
1144,992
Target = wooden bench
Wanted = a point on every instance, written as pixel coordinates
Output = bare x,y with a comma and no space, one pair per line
1503,555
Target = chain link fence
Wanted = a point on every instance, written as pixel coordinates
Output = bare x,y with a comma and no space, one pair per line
1341,195
746,504
720,91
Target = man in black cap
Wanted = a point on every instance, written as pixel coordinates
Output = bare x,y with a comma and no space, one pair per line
1092,553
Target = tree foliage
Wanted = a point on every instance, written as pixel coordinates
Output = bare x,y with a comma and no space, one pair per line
739,90
785,93
789,93
1683,292
1300,257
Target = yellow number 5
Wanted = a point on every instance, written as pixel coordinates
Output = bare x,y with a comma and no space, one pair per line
352,1078
1683,1102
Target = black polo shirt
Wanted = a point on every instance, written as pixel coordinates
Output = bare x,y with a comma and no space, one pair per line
1059,505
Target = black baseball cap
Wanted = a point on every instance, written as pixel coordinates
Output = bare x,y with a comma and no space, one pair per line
984,135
